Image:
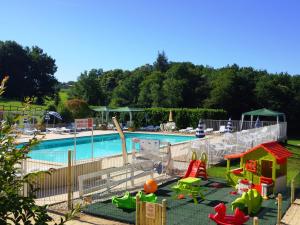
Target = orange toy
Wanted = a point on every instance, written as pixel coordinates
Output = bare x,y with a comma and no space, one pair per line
150,186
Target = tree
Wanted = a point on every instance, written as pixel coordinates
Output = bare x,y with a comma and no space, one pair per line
232,89
275,92
127,92
109,81
15,62
151,94
88,87
31,71
161,64
41,75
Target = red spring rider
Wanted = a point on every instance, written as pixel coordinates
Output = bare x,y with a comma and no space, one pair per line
238,218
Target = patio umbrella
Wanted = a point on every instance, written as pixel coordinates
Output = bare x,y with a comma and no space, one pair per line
171,116
229,127
54,114
257,123
200,129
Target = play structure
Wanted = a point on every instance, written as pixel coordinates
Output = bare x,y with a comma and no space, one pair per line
129,202
265,166
220,217
197,168
250,202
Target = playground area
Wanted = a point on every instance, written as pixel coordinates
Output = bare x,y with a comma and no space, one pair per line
179,211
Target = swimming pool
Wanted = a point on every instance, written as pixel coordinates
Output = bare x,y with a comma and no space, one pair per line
104,145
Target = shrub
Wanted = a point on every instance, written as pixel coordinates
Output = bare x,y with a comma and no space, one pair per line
65,113
79,108
183,117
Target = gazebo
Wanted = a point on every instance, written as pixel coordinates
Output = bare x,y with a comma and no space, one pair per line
107,110
263,112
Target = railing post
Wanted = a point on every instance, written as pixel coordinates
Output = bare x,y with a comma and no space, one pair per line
279,208
69,180
137,212
164,212
292,191
255,220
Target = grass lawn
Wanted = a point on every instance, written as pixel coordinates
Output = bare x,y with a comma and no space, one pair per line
63,94
7,103
293,163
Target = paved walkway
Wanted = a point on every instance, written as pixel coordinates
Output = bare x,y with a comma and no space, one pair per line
87,220
292,216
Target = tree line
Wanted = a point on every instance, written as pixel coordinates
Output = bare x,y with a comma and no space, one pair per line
161,84
186,85
30,70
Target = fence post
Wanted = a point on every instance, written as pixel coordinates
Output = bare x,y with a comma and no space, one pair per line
255,220
164,212
69,180
137,212
279,205
292,191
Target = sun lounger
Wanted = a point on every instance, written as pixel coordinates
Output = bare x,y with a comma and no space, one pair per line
30,131
221,130
208,130
186,130
150,128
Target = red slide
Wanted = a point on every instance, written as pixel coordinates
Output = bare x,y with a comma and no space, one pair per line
197,168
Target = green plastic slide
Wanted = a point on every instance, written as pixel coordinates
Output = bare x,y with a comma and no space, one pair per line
129,202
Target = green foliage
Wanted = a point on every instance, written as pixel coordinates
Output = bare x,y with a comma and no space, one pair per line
183,117
88,88
31,71
16,207
126,93
78,108
185,85
65,112
161,64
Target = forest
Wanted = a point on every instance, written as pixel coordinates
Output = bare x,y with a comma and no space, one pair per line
186,85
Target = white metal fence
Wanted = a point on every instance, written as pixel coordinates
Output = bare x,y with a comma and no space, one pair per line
236,124
54,187
217,146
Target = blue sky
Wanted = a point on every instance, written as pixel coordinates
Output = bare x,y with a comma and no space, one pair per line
109,34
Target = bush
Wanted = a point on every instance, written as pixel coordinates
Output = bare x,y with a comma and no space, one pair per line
65,113
183,117
79,108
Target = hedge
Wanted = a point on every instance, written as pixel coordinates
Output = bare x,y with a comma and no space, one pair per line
183,117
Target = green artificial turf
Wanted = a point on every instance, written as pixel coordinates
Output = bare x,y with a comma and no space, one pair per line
184,211
293,145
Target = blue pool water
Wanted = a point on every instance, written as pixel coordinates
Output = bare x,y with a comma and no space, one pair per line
104,145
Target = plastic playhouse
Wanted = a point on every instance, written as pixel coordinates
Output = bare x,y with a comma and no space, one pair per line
264,165
238,218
